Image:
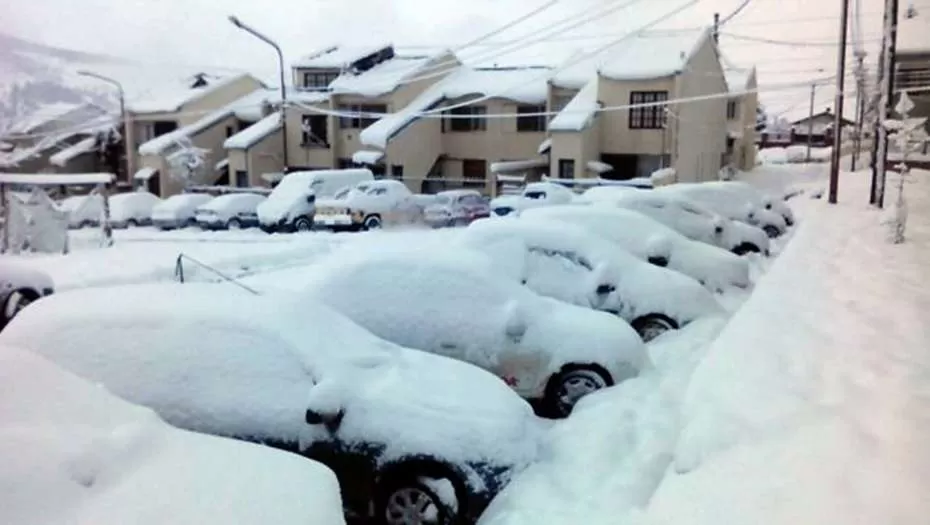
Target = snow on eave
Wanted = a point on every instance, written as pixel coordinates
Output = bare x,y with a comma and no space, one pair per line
511,166
191,95
56,179
255,133
381,132
580,111
367,157
692,39
64,156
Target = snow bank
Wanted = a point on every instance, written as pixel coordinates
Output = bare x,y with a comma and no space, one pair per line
814,397
73,453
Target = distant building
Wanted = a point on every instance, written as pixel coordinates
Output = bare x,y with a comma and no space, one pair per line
819,127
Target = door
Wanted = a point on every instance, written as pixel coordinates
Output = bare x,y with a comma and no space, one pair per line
624,166
475,173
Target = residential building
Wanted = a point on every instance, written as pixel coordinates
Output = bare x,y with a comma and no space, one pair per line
819,127
913,74
742,118
188,120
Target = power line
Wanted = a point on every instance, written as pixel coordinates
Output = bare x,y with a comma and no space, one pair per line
826,43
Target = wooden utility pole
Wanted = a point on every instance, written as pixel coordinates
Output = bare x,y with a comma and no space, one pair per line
883,106
860,107
838,105
810,122
890,67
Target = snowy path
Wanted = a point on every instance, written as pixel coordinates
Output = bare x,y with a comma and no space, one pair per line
812,405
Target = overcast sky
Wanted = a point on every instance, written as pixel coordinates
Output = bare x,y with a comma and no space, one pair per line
196,31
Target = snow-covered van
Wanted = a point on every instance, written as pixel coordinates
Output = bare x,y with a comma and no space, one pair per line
368,206
132,209
230,212
292,204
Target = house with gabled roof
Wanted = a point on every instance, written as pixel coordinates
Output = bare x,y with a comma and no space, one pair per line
742,117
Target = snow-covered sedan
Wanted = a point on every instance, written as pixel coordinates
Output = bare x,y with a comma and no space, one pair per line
233,211
456,208
689,219
412,437
565,262
178,211
728,203
534,195
75,453
451,302
128,210
83,210
762,199
654,242
20,286
368,206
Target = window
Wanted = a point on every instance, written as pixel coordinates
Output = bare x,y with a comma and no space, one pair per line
242,178
160,127
229,131
566,168
458,120
531,122
344,164
357,120
732,107
474,171
314,131
317,80
649,117
397,171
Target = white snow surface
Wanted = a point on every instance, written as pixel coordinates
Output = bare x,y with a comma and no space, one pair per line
580,111
75,454
56,179
255,133
167,96
384,78
65,155
367,156
257,360
338,56
645,237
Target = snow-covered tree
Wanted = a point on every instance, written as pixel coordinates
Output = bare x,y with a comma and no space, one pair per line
187,163
902,133
762,118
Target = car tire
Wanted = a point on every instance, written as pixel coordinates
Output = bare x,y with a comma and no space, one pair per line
652,326
372,222
566,388
189,223
303,224
234,224
16,302
131,223
745,249
407,501
771,231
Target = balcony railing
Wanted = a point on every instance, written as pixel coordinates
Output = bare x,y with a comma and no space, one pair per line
911,77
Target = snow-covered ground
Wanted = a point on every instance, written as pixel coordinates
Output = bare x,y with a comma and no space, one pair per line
811,405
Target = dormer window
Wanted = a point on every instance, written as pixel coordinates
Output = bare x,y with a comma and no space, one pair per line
319,80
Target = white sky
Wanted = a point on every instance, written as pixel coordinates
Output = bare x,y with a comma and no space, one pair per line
196,31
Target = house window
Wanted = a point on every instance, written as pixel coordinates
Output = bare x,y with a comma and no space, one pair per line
566,168
531,122
242,178
319,80
397,171
732,106
229,131
460,122
475,173
357,120
314,131
648,117
161,127
344,164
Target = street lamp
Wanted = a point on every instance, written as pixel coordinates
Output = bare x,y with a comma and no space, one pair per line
122,110
810,117
245,27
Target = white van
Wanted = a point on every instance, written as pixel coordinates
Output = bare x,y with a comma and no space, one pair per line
291,206
230,212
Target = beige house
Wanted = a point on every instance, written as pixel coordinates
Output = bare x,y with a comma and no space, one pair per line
913,74
594,134
742,117
193,117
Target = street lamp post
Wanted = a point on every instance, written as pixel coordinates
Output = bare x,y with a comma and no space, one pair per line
122,111
248,29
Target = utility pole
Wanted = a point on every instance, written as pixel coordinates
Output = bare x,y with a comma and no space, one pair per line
838,105
887,99
716,27
860,107
122,115
810,122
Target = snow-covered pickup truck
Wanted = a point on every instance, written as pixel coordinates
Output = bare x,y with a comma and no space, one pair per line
20,286
368,206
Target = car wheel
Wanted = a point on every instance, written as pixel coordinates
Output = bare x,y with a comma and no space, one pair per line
189,223
746,248
651,326
771,231
85,224
233,224
303,224
372,222
16,302
567,387
411,502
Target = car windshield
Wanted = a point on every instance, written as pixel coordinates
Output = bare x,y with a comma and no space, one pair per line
535,194
442,199
342,194
377,191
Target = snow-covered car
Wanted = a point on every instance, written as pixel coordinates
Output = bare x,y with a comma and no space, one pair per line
689,219
83,210
563,261
368,206
534,195
75,453
451,302
762,199
412,437
728,203
178,211
21,286
292,204
132,209
509,205
232,211
654,242
456,208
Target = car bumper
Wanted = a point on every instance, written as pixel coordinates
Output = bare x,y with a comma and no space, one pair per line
166,224
334,221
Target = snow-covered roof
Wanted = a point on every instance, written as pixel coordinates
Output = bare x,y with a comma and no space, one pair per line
545,146
367,157
526,85
56,179
648,55
173,94
338,57
43,115
579,112
384,78
144,173
64,156
255,133
221,165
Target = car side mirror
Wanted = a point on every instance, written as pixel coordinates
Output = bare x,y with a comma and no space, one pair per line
330,420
